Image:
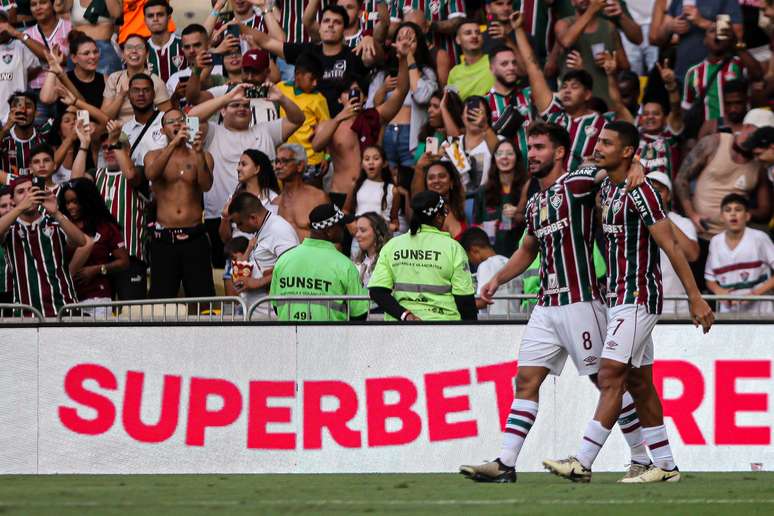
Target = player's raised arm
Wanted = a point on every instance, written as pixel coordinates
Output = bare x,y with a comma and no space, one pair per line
516,265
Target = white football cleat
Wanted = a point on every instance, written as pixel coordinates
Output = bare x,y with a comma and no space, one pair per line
569,468
653,474
635,470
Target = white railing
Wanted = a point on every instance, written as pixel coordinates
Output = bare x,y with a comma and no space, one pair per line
216,310
18,313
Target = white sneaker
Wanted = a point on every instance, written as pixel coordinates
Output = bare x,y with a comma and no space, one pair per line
635,470
654,474
569,468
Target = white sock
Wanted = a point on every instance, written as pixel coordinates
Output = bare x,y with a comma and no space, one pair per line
593,440
520,420
658,442
629,423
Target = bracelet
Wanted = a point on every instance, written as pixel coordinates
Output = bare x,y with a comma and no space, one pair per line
82,149
214,13
413,66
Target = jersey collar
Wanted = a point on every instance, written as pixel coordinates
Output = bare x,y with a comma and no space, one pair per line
425,228
316,242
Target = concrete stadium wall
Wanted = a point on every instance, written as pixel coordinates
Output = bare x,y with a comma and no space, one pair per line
307,399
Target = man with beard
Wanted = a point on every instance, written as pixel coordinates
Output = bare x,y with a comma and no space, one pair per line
472,76
570,317
179,245
144,129
636,228
195,41
503,63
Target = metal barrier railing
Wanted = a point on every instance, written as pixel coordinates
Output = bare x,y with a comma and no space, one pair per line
189,309
327,301
726,307
15,313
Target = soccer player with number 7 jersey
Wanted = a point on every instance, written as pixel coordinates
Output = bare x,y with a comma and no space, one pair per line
570,318
636,226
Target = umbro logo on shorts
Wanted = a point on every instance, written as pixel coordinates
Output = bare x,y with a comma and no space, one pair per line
611,345
590,360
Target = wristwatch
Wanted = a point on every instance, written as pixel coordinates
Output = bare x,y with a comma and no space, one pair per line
103,270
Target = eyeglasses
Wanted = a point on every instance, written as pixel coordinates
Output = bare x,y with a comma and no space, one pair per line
284,161
134,48
174,121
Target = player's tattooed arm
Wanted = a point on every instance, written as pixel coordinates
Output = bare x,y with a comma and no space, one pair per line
692,166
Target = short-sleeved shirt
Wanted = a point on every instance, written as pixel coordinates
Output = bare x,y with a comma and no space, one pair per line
538,22
634,275
656,151
58,37
120,80
485,272
440,10
336,70
315,109
107,239
691,48
226,147
584,131
476,79
168,59
126,204
36,254
298,273
15,61
134,20
15,152
743,268
425,271
153,139
706,80
522,100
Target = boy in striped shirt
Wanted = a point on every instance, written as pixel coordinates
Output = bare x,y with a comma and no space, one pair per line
35,244
166,48
636,227
740,260
570,107
570,317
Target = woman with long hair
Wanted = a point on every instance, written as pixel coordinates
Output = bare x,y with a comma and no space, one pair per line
401,135
92,266
495,207
423,275
374,189
441,177
256,176
84,79
96,19
371,234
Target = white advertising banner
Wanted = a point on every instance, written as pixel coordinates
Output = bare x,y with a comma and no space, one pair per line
379,398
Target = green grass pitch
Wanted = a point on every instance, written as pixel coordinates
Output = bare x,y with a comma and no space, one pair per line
441,494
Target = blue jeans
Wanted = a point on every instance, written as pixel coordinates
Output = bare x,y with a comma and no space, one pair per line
109,61
396,145
287,71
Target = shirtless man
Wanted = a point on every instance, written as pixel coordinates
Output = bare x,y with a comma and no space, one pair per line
297,198
355,128
180,174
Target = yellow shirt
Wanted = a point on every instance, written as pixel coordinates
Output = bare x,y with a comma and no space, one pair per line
315,109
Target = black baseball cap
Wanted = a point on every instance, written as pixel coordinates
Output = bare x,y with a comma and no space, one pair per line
328,215
762,137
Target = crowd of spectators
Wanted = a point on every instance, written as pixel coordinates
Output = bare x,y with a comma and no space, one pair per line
140,159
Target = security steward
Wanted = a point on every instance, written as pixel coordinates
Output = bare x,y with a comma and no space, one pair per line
424,275
317,268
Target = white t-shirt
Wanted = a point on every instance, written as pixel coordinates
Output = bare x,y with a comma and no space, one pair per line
369,198
226,147
274,238
15,61
669,279
263,110
174,79
486,271
153,139
743,268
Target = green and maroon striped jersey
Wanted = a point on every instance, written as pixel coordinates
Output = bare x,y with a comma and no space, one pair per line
36,257
6,285
523,98
561,218
292,22
584,131
633,259
167,60
126,205
371,10
440,10
538,18
15,153
656,151
697,84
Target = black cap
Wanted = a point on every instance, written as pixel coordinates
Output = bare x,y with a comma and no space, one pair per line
762,137
427,203
328,215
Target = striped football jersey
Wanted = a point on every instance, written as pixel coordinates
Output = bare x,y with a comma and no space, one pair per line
634,268
165,61
498,103
561,218
126,205
697,84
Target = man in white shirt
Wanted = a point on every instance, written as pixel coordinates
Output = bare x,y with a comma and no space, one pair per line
687,240
270,236
144,128
16,63
227,142
482,255
195,41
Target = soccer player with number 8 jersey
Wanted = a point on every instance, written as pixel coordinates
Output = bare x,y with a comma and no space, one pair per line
636,227
570,318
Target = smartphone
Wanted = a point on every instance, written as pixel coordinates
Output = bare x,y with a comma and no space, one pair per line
233,30
39,183
83,116
472,104
431,145
354,95
193,127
